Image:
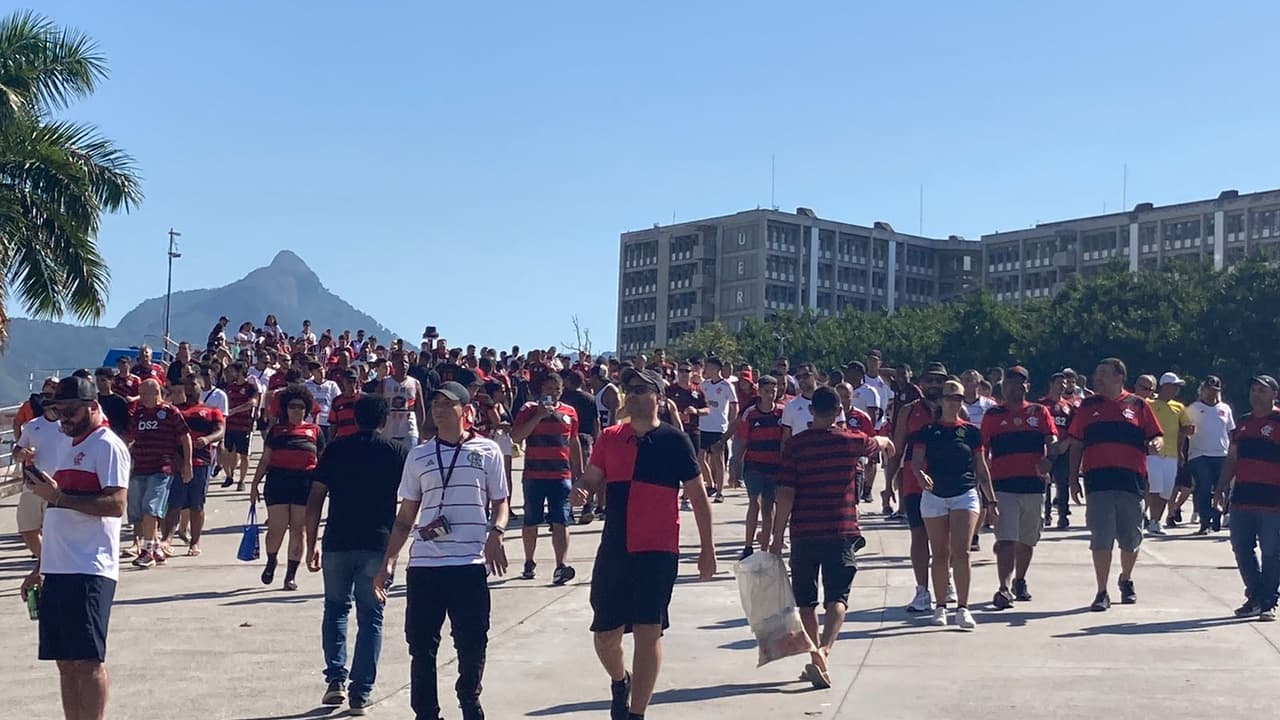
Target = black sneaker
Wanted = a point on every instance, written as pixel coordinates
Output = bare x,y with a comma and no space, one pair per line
563,574
528,573
974,545
859,542
718,498
358,706
1248,609
228,482
1020,592
1063,523
621,692
1048,521
1101,603
1128,595
1003,600
587,515
1176,517
1268,615
1216,523
746,552
336,694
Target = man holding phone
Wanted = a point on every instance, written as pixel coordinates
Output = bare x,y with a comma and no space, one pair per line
75,577
41,445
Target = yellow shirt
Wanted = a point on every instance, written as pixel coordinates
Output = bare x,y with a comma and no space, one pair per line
1172,418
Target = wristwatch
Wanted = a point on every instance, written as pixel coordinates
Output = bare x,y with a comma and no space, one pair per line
500,529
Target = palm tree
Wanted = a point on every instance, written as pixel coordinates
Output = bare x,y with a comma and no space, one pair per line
56,177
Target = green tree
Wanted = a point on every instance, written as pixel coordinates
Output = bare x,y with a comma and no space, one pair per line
707,340
57,177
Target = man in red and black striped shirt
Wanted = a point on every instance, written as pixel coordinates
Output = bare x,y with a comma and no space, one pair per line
1253,461
1111,434
159,442
757,455
207,426
342,414
242,408
817,492
552,460
1016,434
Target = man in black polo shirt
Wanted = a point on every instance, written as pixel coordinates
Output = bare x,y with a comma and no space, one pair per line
360,474
113,406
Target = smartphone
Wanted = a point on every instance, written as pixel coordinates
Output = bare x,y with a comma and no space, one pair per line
32,475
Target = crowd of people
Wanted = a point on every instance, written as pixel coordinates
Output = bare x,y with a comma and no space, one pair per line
416,445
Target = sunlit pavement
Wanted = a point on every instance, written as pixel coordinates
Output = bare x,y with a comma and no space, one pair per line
203,638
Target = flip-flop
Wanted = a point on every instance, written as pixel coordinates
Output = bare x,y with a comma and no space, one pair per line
193,552
817,677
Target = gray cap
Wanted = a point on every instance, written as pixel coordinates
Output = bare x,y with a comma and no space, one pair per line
454,391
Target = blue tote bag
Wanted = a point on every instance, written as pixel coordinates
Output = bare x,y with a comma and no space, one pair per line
248,551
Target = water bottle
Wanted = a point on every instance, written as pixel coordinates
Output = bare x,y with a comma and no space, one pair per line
33,603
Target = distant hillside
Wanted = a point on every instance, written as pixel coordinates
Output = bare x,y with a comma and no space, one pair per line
287,288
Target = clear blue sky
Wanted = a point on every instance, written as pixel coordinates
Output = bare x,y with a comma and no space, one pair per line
472,164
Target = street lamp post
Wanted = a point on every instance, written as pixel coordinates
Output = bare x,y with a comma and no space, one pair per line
168,293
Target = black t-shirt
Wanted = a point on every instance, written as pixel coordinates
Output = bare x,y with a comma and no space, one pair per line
428,378
362,473
373,387
116,409
585,406
949,451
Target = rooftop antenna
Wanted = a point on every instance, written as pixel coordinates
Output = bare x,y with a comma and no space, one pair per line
1124,192
673,217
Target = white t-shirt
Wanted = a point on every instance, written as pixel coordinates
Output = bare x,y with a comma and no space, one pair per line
1212,437
323,393
403,396
718,394
978,408
478,477
798,414
262,377
866,397
882,391
46,438
76,543
215,398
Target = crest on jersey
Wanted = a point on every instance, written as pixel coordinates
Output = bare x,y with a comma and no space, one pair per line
79,458
1129,414
1033,422
475,459
960,432
1017,422
161,415
1266,432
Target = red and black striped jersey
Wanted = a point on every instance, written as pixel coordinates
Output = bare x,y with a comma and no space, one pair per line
1257,441
1114,434
202,421
342,415
820,465
546,450
155,435
761,430
856,419
294,447
126,386
238,394
1016,437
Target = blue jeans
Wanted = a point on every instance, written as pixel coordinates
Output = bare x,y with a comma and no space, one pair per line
1250,528
1205,472
348,576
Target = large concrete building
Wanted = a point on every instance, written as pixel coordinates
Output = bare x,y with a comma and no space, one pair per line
674,278
1036,261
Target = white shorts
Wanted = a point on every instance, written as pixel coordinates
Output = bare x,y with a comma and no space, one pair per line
1162,474
932,506
31,509
504,442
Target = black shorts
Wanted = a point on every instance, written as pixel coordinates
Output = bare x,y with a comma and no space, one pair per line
585,441
75,611
237,442
189,495
287,488
911,506
709,439
629,589
834,558
1184,479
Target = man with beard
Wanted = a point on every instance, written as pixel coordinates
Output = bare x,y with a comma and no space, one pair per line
159,442
408,415
645,462
798,413
76,573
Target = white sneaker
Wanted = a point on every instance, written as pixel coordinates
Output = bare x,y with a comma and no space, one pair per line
1154,528
951,593
1195,518
940,617
921,602
964,619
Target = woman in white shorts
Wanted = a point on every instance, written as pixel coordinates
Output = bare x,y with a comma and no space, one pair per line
952,468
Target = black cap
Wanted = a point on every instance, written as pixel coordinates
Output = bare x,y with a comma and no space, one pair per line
107,372
600,372
1018,371
875,354
466,377
351,375
936,368
646,376
82,389
825,399
1213,381
1263,380
1057,376
856,365
454,392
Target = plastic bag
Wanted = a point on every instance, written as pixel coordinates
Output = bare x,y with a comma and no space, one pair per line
770,607
248,551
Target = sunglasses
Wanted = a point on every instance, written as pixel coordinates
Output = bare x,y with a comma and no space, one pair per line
296,406
1145,388
66,412
640,389
956,398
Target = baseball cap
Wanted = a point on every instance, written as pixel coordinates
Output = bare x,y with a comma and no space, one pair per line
107,372
1263,380
875,354
71,389
1068,373
1213,381
1018,371
648,377
454,391
951,388
825,399
937,368
1057,376
1171,379
856,365
351,375
767,380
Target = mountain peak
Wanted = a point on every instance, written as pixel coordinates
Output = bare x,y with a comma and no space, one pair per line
287,261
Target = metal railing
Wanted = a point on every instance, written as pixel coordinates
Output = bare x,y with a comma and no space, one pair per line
7,414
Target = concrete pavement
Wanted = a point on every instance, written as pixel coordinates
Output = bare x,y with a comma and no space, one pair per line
202,638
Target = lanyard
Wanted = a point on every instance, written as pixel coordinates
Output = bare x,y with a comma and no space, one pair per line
445,477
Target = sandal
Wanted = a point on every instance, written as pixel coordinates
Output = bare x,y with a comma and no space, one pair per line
193,551
817,676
